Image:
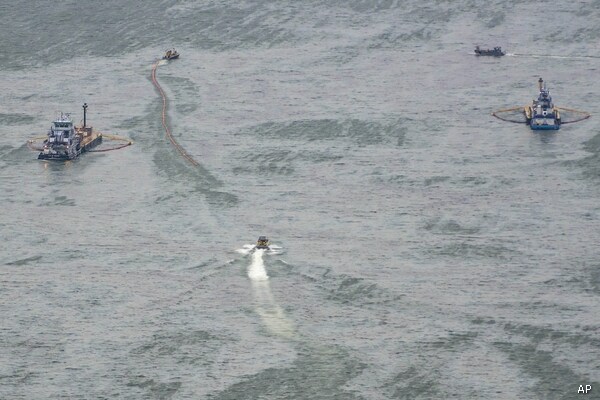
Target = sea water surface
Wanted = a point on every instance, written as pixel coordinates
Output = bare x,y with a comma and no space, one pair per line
425,250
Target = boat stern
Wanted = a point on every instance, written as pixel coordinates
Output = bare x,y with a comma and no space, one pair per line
546,127
262,243
544,124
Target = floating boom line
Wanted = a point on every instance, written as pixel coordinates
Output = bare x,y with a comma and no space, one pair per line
37,143
174,142
517,115
584,115
510,110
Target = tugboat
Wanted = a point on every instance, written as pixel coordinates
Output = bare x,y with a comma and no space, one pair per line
495,52
542,114
67,142
262,243
171,54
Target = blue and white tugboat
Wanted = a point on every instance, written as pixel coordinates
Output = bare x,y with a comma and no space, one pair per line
67,142
542,114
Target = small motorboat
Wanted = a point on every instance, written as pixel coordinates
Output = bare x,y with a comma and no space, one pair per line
262,243
171,54
495,52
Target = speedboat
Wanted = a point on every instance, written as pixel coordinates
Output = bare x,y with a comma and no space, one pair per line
171,54
262,243
495,52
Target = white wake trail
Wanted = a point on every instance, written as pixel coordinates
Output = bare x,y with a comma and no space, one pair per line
270,312
257,271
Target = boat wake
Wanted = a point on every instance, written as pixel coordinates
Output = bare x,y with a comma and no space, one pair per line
256,270
266,307
551,56
249,249
246,249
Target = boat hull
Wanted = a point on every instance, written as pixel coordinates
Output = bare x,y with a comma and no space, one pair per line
489,53
86,144
59,156
553,127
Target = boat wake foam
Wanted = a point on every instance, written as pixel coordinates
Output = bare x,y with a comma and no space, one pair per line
249,248
256,270
272,315
246,249
552,56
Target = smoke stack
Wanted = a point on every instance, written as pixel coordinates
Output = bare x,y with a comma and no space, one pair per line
85,106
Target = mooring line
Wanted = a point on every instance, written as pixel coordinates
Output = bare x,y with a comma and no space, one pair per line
128,142
164,118
508,119
584,114
31,143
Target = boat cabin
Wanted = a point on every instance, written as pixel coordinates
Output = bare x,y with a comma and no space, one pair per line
262,242
171,54
62,130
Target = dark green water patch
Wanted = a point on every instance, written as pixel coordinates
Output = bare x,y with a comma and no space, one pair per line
5,149
279,162
16,119
193,178
340,55
449,227
473,181
587,278
553,380
12,155
538,334
24,261
187,108
190,347
592,145
134,128
108,30
59,201
319,372
490,19
156,390
435,180
360,132
179,84
467,250
414,383
595,278
590,165
354,291
182,88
